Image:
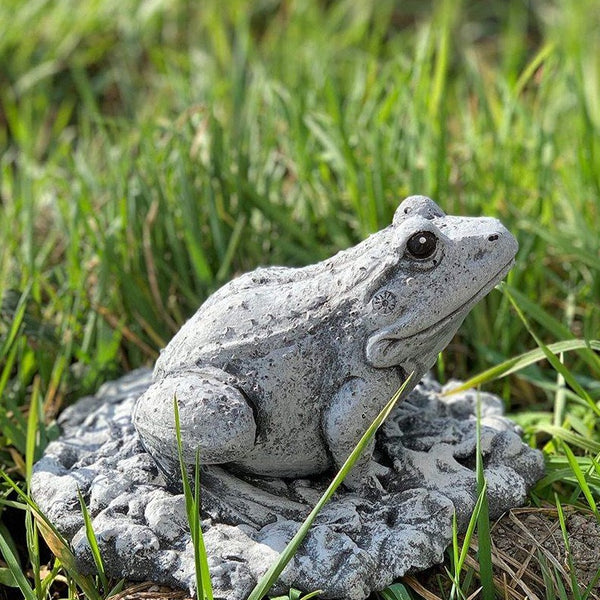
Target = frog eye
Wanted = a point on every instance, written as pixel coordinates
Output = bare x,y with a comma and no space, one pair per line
422,244
384,302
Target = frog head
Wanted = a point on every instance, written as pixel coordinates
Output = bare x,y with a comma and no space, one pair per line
437,267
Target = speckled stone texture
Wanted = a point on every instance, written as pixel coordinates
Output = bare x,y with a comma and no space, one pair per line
424,458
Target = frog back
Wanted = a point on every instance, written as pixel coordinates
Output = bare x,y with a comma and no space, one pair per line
276,307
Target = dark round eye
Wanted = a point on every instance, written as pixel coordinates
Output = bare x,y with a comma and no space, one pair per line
422,244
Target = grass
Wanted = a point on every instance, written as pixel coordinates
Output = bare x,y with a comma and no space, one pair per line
150,151
193,508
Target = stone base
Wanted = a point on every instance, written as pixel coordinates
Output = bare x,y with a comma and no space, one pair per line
425,458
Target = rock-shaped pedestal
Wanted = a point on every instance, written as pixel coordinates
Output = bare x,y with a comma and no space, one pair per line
426,457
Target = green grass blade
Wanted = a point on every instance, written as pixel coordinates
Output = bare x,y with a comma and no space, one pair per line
591,585
455,548
572,571
187,490
396,591
581,479
293,594
49,579
16,322
521,361
459,557
7,578
33,551
550,593
192,503
565,475
200,556
548,322
543,53
57,543
32,429
314,594
553,360
268,579
232,246
484,536
15,570
116,589
93,542
573,439
9,539
31,533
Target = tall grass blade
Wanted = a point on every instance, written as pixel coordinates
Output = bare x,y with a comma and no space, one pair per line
90,534
455,554
512,365
484,536
550,593
314,594
200,556
294,594
32,429
592,585
33,550
581,479
7,578
460,558
192,504
553,360
543,53
15,570
31,533
8,537
396,591
16,322
573,439
576,592
268,579
56,542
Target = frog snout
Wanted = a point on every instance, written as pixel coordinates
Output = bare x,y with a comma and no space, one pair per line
496,243
483,240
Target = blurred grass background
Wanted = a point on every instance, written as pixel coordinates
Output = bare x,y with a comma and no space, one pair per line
150,150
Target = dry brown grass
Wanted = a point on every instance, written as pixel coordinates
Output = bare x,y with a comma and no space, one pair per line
529,556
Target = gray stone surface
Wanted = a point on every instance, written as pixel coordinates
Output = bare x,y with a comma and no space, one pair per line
277,376
361,542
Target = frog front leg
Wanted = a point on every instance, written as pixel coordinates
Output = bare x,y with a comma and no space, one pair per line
352,409
215,418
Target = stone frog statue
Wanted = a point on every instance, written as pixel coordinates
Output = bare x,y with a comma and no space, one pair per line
280,372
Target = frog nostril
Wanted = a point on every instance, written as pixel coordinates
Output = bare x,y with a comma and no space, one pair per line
493,238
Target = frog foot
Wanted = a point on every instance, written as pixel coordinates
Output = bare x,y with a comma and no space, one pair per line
215,419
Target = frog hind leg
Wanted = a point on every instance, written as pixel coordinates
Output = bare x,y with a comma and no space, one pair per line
215,419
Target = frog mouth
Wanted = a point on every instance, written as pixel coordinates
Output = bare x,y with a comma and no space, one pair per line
389,346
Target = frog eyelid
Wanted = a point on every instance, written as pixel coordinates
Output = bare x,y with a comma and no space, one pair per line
427,262
401,261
